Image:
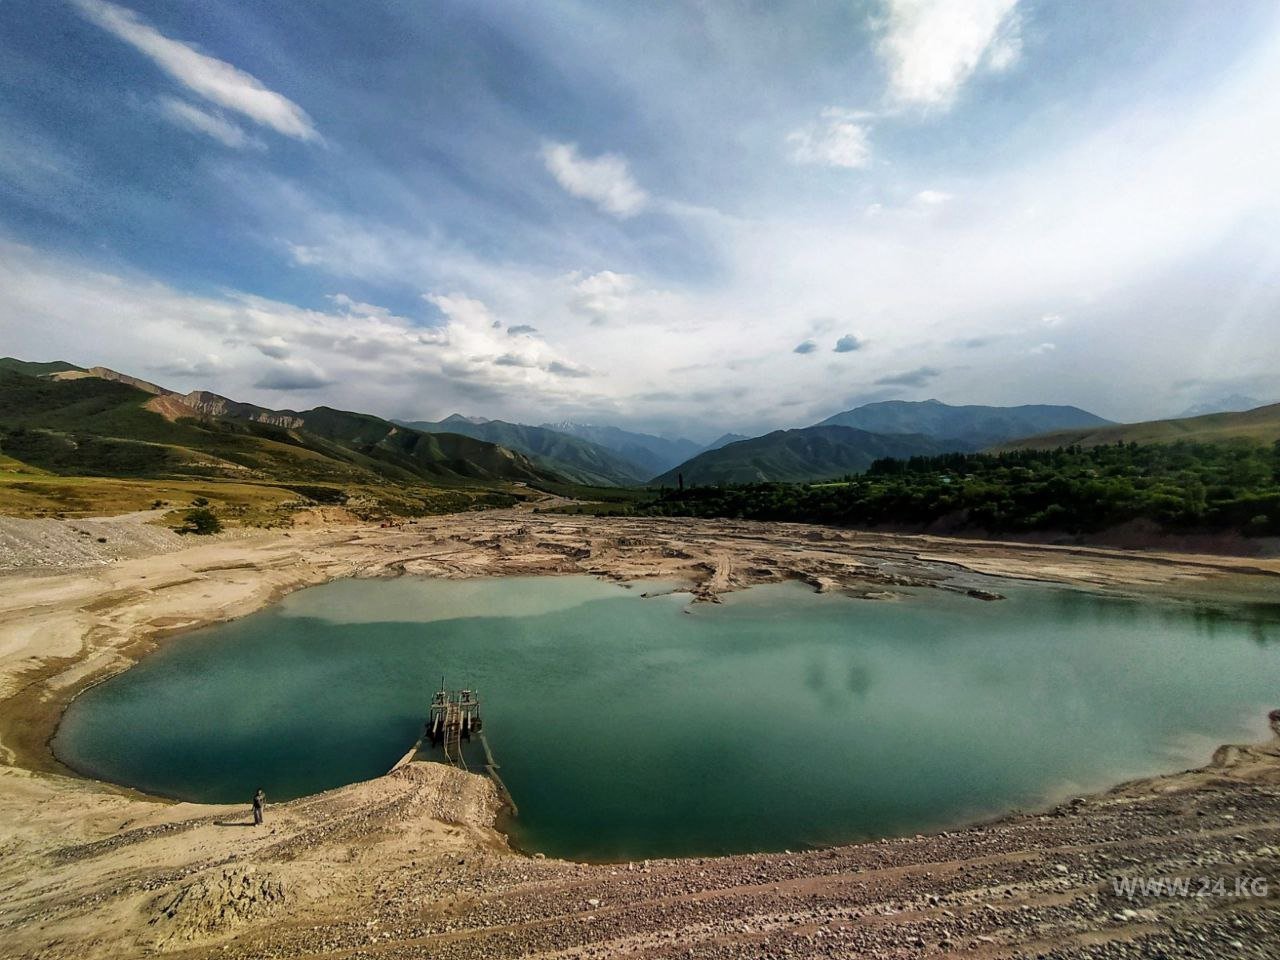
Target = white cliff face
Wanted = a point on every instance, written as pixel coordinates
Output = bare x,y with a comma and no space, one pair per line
213,405
199,402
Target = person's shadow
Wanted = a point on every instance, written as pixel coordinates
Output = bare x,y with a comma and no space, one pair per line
233,823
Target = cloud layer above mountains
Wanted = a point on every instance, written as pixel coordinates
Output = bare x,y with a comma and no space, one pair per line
695,218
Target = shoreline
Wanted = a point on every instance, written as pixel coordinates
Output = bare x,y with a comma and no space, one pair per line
46,714
23,719
1180,759
60,634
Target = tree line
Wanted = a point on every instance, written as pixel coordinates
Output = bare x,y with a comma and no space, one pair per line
1181,487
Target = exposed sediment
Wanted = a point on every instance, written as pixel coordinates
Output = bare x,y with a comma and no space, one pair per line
410,865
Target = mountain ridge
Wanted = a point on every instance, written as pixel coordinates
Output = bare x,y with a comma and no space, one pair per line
799,455
575,459
100,422
969,427
651,452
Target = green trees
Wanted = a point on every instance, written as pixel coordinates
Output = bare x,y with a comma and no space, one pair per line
1180,487
201,521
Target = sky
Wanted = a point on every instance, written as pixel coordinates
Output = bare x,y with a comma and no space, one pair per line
684,217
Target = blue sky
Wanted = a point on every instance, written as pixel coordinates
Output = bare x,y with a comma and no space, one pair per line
687,217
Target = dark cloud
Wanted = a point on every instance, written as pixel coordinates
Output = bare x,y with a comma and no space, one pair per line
807,347
912,378
289,377
512,360
476,391
181,367
849,343
972,343
566,370
521,328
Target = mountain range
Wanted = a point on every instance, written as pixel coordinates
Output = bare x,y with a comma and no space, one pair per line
848,442
962,428
573,458
67,420
809,453
653,454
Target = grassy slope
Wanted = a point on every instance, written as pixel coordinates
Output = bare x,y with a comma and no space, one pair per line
431,454
1260,426
61,441
34,368
812,453
577,460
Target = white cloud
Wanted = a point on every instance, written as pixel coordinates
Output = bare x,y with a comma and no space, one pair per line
305,256
1042,348
356,308
1006,49
361,356
933,46
193,118
216,80
210,365
604,180
602,296
1117,229
839,139
475,343
932,198
275,347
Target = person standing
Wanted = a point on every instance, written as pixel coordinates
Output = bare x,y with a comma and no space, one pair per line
258,799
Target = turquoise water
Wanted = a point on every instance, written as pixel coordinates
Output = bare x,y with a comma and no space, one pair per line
631,727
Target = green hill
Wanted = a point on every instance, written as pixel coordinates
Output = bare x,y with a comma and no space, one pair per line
810,453
964,428
92,426
1261,425
35,369
577,460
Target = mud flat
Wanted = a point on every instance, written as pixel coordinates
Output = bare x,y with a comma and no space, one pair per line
411,864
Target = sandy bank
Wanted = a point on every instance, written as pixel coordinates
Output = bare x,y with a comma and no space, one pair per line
92,871
59,633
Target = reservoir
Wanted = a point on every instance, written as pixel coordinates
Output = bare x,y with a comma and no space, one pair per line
632,726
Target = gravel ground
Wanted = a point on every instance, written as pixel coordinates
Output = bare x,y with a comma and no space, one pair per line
1031,886
75,544
407,866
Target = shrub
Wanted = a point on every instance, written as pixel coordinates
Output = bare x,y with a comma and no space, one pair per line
201,521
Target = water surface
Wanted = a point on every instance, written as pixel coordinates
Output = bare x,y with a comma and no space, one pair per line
631,727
